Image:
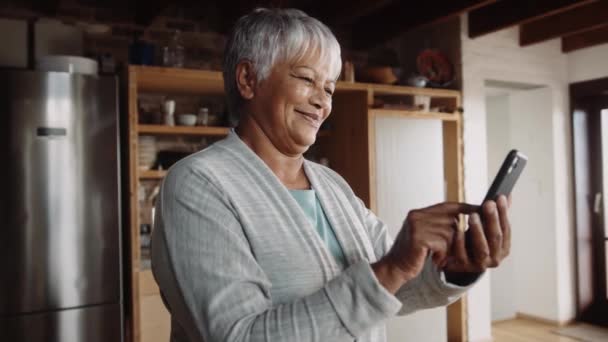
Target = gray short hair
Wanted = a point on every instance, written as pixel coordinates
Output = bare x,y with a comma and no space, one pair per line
266,36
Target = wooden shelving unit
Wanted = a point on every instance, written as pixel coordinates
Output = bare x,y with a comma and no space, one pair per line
183,130
349,145
147,318
152,174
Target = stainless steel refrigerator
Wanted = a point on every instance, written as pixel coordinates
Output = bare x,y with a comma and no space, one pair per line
60,218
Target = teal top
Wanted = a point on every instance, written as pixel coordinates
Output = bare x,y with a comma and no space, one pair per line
308,200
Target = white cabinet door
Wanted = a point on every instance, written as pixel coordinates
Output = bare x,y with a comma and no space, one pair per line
409,175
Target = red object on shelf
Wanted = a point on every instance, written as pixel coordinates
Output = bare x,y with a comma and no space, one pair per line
435,66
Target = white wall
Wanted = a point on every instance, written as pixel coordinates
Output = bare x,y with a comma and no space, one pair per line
588,64
525,281
409,169
498,136
498,56
533,211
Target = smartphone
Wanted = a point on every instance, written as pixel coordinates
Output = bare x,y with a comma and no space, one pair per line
507,175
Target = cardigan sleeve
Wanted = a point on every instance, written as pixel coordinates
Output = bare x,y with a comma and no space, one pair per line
216,291
429,289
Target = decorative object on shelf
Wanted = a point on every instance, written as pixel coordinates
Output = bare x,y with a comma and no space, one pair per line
147,152
423,102
173,54
203,116
377,74
436,67
383,67
348,71
168,108
417,81
141,52
186,119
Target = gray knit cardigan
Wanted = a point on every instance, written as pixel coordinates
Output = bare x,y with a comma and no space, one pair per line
236,258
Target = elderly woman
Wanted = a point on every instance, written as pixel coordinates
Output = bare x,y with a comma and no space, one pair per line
255,243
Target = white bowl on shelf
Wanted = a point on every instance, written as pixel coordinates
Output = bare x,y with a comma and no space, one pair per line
186,119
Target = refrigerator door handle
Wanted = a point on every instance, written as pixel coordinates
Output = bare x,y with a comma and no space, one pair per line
597,203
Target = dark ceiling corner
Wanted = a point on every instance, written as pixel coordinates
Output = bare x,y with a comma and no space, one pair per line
399,17
504,14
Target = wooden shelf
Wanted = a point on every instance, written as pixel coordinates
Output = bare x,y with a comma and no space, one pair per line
152,174
183,130
387,89
178,80
414,114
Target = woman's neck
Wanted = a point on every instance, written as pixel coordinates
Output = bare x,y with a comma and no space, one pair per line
288,168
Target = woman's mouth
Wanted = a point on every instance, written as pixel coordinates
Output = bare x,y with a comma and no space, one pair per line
313,119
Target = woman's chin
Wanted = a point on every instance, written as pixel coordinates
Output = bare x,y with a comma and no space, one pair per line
306,138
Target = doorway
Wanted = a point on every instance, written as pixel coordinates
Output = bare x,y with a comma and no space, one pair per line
520,116
589,102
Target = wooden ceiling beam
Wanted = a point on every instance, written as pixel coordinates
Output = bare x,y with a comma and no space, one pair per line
343,12
585,39
400,16
584,18
504,14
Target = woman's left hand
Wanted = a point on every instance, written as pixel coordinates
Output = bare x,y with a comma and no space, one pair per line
483,245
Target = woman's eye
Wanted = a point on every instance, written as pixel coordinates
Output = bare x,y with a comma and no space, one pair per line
308,79
329,92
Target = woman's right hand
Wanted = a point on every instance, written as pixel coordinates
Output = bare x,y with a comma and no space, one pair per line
426,230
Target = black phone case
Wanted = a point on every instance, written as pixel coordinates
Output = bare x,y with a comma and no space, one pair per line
507,175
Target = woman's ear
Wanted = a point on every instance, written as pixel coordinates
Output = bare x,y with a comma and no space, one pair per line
246,79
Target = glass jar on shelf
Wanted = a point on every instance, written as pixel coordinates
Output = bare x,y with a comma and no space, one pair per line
203,116
173,54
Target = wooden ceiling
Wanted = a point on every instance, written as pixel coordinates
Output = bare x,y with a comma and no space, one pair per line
579,23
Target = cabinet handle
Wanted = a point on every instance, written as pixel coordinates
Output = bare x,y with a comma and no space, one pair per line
597,203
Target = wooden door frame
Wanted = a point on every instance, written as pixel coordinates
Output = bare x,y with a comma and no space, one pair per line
590,267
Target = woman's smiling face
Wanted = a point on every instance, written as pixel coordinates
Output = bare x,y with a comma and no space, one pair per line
293,101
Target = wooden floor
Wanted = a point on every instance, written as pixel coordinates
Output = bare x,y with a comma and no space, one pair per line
523,330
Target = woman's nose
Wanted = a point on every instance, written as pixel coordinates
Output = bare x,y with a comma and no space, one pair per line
320,99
